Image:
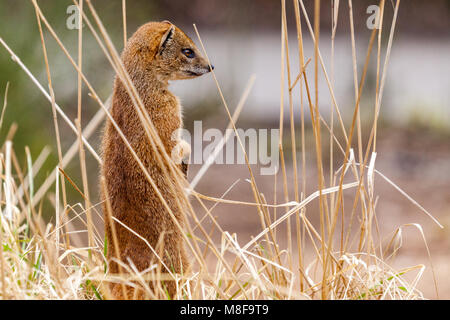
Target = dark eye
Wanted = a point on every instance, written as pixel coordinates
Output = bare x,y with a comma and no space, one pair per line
188,53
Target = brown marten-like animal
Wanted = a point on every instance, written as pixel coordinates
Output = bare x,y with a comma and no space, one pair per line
156,53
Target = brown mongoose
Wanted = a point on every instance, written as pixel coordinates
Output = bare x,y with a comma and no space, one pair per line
156,53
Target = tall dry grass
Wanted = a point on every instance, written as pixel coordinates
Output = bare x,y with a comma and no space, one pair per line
349,257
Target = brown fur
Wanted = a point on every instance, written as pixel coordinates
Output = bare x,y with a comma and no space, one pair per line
152,56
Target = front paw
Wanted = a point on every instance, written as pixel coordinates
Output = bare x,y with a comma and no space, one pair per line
181,152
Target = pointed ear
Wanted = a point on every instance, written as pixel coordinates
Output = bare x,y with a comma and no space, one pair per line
166,38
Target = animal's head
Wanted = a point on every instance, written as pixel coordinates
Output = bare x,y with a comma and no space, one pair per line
168,51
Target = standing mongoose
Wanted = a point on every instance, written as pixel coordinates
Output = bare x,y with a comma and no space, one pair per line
156,53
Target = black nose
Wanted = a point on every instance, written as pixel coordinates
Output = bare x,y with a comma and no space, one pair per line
212,68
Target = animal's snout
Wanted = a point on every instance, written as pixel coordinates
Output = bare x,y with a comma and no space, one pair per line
211,68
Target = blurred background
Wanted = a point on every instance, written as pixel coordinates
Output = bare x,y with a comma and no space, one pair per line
242,39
